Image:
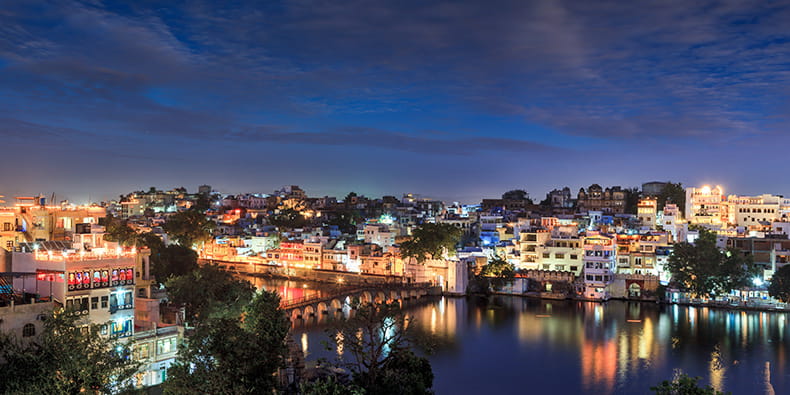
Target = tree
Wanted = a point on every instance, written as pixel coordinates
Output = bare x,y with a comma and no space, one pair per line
516,194
234,354
288,218
379,341
117,230
189,227
346,220
67,358
209,292
684,385
672,193
780,284
704,269
172,261
631,200
497,273
431,241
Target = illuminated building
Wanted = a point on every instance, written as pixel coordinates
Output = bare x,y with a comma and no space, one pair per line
31,220
646,212
529,240
754,211
563,251
672,221
379,234
599,265
706,205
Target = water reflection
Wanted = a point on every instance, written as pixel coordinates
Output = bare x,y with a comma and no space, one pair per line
497,345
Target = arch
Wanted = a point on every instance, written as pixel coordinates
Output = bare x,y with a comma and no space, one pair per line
309,311
404,294
365,297
634,290
394,295
336,305
323,308
296,314
380,297
413,293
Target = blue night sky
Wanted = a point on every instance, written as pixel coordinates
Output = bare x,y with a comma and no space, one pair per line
455,100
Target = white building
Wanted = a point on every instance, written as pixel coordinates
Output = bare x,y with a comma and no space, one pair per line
706,205
599,265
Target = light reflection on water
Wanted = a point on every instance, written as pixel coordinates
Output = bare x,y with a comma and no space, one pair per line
510,344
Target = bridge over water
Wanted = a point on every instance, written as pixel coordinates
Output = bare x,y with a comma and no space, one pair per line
334,302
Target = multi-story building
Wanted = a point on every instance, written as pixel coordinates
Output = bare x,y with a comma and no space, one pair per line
706,205
753,211
653,188
288,254
595,198
646,212
380,234
30,220
563,252
599,265
529,241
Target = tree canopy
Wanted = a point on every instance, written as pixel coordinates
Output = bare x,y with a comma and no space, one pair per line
497,273
67,358
189,227
780,284
705,270
234,355
516,194
672,193
173,260
209,292
684,385
288,218
378,339
431,241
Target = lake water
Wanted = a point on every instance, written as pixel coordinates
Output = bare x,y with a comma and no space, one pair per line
513,345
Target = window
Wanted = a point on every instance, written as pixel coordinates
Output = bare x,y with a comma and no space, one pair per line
546,255
94,303
104,300
7,226
559,255
142,351
574,256
28,330
560,267
546,266
165,346
9,244
574,268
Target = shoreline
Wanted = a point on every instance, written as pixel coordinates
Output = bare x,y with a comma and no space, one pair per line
717,306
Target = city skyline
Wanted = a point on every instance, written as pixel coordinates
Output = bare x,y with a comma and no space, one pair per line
453,100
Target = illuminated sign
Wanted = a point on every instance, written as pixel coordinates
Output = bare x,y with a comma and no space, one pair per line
100,278
79,280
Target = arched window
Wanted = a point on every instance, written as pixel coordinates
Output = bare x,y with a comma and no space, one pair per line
28,330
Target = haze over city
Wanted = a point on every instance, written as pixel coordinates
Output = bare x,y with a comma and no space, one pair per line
454,100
